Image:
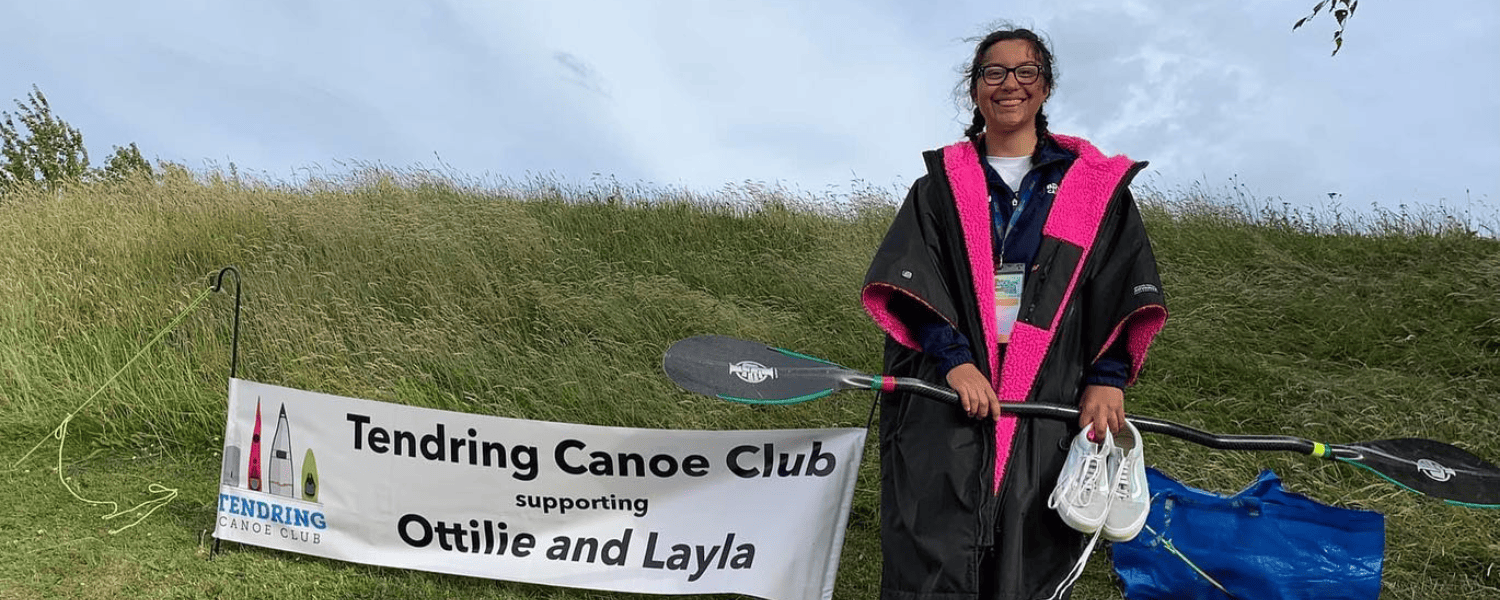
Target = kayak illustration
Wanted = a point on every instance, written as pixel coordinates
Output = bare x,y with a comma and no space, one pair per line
281,474
230,476
309,477
254,471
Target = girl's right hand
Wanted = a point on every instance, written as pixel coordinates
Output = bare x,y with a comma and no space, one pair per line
974,391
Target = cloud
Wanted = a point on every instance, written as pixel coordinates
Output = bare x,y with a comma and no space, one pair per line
579,73
807,94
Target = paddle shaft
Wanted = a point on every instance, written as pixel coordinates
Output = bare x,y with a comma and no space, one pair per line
1065,413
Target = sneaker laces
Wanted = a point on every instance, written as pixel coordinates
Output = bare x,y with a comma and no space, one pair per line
1080,490
1077,570
1093,468
1122,478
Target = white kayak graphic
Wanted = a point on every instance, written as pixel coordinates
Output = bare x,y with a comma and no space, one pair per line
281,477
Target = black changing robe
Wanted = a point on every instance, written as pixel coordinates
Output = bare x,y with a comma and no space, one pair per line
947,478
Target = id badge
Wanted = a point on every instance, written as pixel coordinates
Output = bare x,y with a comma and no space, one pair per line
1010,279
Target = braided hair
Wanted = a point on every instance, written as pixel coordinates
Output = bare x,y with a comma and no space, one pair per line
972,74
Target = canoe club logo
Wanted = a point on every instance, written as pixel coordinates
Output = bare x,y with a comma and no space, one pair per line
1433,469
262,491
752,372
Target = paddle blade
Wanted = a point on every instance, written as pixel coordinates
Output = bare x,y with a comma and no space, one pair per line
1428,467
751,372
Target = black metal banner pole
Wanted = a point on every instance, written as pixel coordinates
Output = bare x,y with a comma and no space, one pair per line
234,343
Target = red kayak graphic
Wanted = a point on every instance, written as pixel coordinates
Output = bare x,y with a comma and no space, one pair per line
254,473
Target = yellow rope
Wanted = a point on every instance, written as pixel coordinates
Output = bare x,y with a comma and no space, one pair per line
1167,543
61,435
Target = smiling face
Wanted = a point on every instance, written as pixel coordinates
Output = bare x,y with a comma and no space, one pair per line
1010,107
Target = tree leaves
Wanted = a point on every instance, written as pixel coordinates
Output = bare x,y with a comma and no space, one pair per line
42,147
125,163
38,147
1342,11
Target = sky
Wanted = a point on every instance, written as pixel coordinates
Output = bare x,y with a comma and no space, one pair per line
821,97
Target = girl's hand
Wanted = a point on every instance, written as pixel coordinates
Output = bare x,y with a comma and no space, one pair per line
1104,407
974,391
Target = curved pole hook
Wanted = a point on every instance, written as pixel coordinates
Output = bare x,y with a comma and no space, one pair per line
234,344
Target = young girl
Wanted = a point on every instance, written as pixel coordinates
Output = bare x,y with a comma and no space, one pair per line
1017,269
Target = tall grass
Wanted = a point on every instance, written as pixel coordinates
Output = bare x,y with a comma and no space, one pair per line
546,300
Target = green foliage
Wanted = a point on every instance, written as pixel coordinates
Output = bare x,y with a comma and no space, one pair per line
531,301
42,148
125,163
1342,11
39,148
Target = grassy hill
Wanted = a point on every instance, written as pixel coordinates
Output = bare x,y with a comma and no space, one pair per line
555,303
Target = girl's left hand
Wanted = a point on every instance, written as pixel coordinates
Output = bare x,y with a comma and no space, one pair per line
1104,406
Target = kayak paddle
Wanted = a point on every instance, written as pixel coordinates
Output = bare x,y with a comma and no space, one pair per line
754,373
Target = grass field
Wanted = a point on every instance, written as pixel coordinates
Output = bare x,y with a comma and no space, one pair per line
536,301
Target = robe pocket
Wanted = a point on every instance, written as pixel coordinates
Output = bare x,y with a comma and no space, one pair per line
1052,273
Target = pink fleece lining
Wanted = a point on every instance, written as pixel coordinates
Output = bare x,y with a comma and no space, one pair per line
877,300
1140,327
971,195
1080,203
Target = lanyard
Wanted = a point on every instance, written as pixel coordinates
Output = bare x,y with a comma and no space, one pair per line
1019,205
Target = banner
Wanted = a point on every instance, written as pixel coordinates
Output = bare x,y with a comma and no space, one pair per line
608,508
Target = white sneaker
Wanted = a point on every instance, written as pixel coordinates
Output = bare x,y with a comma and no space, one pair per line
1081,496
1130,500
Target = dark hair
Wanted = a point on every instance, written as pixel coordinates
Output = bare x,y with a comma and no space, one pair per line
971,75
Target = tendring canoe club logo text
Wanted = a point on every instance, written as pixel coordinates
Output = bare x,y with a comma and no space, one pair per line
1434,470
751,371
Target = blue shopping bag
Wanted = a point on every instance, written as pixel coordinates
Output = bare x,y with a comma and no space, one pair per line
1264,543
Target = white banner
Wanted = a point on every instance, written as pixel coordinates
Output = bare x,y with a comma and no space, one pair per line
609,508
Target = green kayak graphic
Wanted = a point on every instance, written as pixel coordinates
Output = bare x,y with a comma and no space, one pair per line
309,477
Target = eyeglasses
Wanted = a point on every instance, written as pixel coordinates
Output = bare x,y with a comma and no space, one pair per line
996,74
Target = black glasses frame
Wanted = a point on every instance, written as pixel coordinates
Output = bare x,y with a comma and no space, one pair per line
996,74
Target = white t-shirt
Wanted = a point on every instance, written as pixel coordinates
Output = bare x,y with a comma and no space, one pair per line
1011,169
